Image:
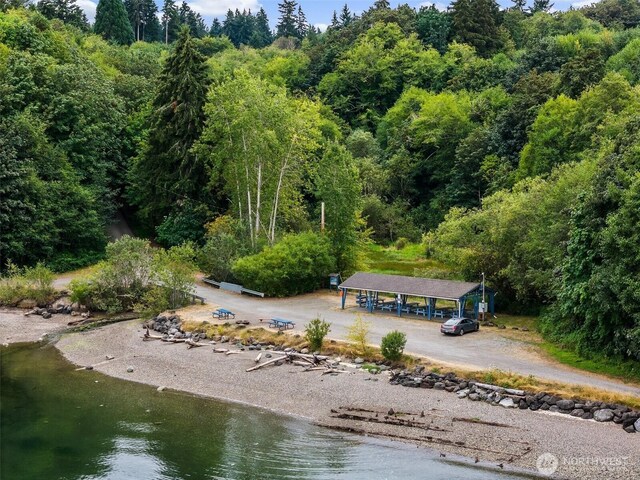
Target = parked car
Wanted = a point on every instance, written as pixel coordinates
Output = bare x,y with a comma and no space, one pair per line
459,326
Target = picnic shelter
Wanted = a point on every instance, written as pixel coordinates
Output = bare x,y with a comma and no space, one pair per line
372,290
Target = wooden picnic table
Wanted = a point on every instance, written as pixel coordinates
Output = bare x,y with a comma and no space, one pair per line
281,324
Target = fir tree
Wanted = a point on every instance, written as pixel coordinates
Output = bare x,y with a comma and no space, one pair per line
143,19
541,6
262,35
216,28
345,16
112,22
167,170
66,10
335,23
475,22
382,5
170,22
302,26
519,5
288,24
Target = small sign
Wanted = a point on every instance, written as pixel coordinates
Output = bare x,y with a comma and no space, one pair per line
482,307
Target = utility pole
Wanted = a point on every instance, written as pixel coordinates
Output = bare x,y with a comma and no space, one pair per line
484,305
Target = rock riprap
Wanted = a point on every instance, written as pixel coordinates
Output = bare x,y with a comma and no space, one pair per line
520,399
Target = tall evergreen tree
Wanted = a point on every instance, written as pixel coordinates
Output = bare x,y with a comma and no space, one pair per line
216,28
302,26
66,10
541,6
151,29
143,18
112,22
170,21
345,16
335,23
262,35
288,24
382,5
519,5
167,170
434,27
475,22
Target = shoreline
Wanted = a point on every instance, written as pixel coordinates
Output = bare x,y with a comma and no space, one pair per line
440,421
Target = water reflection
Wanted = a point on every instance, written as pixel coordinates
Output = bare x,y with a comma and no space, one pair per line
58,423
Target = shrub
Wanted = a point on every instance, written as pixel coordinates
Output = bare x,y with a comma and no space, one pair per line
392,345
315,331
32,283
401,243
225,243
358,333
153,302
299,263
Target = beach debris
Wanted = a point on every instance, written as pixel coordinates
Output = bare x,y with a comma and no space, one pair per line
161,388
310,362
130,369
220,350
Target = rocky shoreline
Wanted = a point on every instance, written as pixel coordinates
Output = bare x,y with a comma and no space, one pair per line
170,327
520,399
358,401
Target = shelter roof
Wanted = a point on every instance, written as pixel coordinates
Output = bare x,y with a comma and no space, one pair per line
414,286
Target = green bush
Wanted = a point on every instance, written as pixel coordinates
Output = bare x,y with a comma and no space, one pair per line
153,302
315,331
401,243
392,345
299,263
225,243
358,333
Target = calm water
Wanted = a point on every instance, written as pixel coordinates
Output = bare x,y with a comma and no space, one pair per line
58,423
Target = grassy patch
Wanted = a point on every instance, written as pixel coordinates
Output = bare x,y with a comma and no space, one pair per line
409,260
625,370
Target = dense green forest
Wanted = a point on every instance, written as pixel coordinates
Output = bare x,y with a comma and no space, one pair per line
507,141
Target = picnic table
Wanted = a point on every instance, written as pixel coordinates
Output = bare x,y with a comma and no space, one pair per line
387,305
281,324
223,313
409,307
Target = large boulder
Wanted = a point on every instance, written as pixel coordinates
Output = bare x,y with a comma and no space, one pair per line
637,425
603,415
565,404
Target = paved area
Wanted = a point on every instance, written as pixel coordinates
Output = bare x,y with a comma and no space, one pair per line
482,350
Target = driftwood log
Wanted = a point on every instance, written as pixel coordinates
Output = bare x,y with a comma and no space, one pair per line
309,362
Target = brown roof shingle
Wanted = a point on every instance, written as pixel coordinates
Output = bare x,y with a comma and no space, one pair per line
419,287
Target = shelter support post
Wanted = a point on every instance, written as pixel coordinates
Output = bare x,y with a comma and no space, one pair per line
344,297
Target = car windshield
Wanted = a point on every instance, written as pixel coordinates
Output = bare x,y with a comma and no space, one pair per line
451,322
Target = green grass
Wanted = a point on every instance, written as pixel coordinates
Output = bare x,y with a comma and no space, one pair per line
625,370
628,370
407,261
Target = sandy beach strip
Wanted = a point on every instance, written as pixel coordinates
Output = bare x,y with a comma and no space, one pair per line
492,435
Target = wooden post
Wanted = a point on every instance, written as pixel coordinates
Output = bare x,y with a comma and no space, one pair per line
322,216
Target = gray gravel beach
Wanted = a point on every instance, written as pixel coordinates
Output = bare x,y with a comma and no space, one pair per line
490,435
